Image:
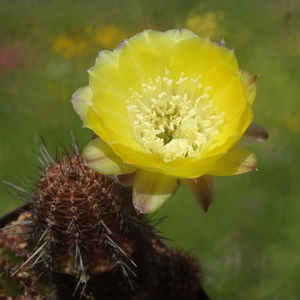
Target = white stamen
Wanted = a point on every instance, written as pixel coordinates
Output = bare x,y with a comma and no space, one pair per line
176,119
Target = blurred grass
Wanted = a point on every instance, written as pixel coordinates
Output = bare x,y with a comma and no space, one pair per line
249,240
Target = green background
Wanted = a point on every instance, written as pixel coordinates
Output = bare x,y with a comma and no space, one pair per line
249,241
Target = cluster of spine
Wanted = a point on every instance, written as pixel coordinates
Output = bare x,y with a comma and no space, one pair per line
77,215
17,283
86,239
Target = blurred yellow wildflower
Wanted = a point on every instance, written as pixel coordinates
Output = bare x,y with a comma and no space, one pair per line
169,107
293,122
69,45
108,36
206,24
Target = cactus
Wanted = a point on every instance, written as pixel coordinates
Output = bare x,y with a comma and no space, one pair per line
84,240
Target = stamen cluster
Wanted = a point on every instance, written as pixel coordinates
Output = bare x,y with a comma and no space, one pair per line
174,118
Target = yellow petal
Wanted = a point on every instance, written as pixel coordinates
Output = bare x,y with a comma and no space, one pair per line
100,157
245,120
110,93
81,100
139,158
110,104
142,59
94,122
151,190
203,189
190,167
238,160
234,134
250,80
188,56
227,89
146,55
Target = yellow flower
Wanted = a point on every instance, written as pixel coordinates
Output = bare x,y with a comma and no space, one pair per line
168,107
108,36
69,45
205,24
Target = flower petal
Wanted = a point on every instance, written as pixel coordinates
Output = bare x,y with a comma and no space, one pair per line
227,89
151,190
94,122
146,55
100,157
112,108
250,80
189,53
203,189
126,179
238,160
254,134
190,167
81,100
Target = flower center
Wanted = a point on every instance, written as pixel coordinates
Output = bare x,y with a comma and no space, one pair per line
174,119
